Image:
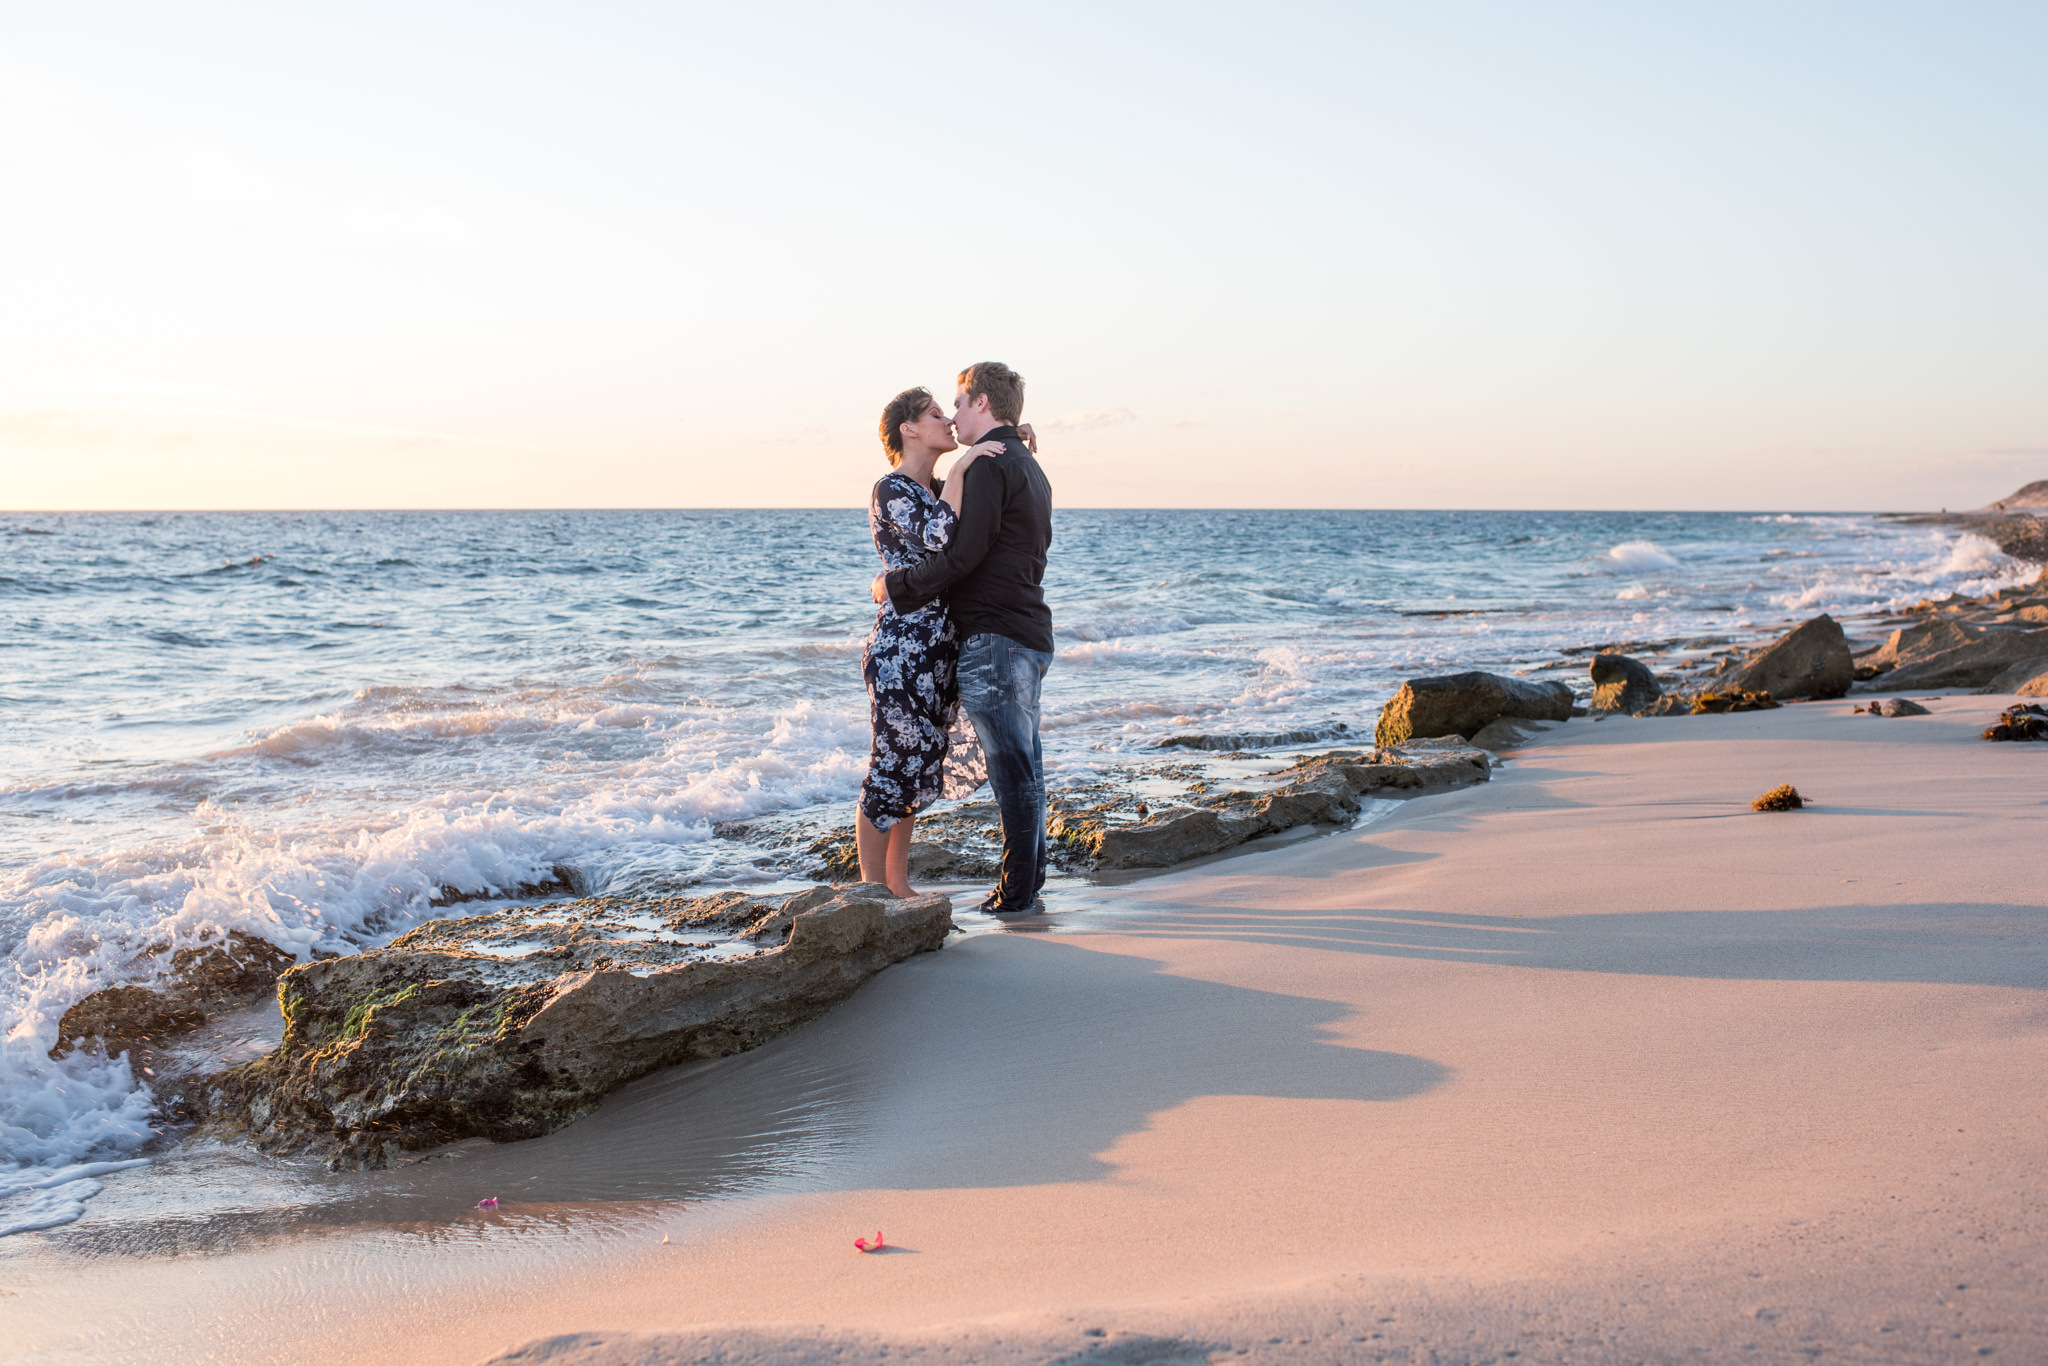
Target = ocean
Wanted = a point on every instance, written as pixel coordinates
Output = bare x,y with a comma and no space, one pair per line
320,727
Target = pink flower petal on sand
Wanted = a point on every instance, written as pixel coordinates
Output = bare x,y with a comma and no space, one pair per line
488,1202
865,1246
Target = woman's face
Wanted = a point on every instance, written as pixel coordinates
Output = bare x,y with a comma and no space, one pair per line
934,429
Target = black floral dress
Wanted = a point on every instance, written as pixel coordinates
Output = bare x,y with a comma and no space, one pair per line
923,746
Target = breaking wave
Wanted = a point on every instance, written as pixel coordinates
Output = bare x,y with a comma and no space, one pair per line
525,705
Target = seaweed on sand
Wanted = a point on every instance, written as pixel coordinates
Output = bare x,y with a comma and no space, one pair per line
2023,722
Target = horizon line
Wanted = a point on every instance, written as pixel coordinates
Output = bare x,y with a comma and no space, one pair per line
854,507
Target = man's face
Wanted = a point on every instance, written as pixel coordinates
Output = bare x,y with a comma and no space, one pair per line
971,417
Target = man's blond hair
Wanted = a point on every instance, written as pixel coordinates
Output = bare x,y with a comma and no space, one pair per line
1003,386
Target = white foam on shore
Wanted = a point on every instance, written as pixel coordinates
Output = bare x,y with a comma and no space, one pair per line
342,874
338,827
37,1198
1969,564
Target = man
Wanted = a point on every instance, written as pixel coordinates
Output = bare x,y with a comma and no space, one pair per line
991,573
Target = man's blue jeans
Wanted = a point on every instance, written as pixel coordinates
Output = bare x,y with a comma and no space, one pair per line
999,681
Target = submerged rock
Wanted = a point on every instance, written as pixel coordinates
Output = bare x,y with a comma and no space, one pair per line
1249,740
203,981
123,1018
1811,661
1459,704
959,844
1621,684
1324,789
510,1024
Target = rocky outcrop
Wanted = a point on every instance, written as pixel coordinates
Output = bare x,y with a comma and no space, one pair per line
2028,680
1945,653
1623,685
1810,661
2022,537
2013,523
510,1024
2034,495
201,982
1459,704
1321,790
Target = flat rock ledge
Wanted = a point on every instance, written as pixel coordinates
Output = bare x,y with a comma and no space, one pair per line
510,1024
1322,790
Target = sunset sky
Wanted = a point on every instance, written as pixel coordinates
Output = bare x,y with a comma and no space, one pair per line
1361,255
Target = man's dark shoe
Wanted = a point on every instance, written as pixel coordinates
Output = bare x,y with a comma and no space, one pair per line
990,906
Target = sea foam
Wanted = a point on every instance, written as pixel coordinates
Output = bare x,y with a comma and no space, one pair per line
321,747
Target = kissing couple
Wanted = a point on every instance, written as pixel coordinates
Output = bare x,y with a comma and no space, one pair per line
962,628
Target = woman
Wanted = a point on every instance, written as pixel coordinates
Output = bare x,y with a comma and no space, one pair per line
913,696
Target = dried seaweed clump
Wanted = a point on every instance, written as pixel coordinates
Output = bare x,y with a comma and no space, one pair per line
1783,797
1735,699
2024,722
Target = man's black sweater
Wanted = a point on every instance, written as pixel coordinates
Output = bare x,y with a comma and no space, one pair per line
991,571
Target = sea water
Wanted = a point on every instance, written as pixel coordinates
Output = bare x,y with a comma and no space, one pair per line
317,727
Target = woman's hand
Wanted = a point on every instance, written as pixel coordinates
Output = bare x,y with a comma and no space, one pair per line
956,486
1028,437
880,590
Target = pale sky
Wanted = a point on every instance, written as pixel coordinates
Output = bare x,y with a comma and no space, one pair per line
1633,255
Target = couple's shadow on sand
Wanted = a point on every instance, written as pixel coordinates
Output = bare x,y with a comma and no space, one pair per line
1000,1061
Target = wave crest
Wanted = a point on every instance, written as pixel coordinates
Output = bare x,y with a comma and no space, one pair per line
1641,557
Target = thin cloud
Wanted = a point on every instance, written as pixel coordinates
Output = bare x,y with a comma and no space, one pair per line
118,421
1092,421
215,175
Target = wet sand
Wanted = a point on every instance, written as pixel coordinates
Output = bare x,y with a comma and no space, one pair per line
1589,1063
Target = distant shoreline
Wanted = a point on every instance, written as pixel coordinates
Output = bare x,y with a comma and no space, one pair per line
2022,535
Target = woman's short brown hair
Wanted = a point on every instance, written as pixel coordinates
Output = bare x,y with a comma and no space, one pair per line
907,406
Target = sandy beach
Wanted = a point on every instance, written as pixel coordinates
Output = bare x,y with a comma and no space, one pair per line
1590,1063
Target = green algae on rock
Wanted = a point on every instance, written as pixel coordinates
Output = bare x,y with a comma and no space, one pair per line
511,1024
